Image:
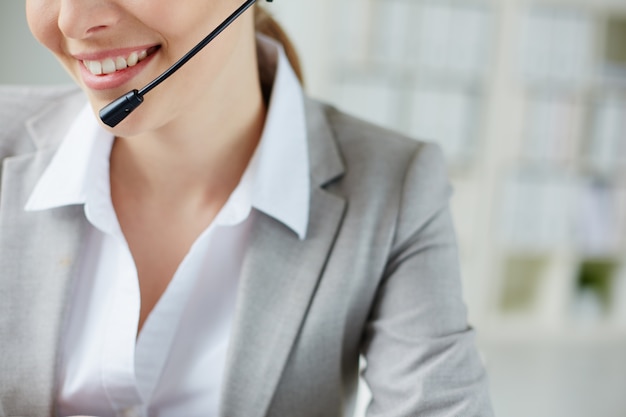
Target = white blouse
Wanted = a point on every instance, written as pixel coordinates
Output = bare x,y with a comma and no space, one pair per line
174,367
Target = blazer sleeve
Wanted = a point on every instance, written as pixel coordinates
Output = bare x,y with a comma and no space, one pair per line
420,354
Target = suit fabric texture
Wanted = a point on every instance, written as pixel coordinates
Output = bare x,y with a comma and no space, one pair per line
377,276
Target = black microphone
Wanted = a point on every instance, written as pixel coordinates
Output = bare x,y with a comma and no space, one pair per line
116,111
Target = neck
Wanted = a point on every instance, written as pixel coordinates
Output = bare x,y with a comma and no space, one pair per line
201,154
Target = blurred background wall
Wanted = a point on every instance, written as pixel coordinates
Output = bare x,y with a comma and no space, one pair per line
528,101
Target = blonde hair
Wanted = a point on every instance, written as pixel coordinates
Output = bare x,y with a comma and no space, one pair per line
265,24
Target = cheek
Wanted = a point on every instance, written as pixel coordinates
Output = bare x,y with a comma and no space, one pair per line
188,23
42,21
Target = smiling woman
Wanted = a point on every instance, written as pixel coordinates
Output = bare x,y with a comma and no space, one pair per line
231,248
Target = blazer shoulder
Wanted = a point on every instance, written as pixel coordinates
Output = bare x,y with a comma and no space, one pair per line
350,128
373,150
386,174
19,104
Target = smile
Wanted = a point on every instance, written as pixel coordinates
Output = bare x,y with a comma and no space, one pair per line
111,65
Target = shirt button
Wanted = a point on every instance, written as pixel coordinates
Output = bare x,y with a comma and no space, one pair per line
131,412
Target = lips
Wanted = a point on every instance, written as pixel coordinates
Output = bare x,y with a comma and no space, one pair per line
110,65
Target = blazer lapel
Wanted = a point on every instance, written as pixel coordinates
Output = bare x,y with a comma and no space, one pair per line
37,253
278,280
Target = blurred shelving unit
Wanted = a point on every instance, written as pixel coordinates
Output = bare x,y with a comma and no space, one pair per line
528,101
560,197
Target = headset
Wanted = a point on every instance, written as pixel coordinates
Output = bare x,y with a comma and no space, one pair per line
116,111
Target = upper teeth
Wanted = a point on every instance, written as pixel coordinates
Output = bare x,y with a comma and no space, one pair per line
110,65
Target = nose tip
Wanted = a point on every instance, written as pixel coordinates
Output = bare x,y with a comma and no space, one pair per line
80,19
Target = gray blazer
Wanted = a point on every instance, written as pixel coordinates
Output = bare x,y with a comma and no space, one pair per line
377,275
